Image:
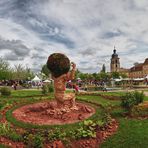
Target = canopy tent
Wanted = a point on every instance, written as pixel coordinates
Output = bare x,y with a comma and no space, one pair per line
138,79
36,79
146,77
127,79
118,80
78,78
47,81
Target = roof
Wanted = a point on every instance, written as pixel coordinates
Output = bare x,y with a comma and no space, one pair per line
114,54
145,62
124,70
137,67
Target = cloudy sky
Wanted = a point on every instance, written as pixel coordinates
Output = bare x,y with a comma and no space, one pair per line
85,30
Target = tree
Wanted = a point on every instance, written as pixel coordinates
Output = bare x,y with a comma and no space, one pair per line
22,73
5,70
77,74
123,75
115,75
104,76
103,68
45,70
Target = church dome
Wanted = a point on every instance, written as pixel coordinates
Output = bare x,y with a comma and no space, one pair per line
114,54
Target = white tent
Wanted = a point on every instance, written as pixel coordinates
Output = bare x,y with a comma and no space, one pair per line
126,79
138,79
36,79
118,80
146,77
47,81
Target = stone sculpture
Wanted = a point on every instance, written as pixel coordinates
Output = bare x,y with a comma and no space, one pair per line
59,65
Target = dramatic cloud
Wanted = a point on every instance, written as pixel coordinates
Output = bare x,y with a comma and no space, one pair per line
86,31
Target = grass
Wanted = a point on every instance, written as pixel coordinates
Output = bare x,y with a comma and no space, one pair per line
3,146
26,93
131,134
146,98
99,100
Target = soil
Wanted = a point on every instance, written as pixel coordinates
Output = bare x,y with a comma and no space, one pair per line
46,113
10,143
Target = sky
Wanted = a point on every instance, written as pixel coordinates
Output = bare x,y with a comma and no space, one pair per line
85,30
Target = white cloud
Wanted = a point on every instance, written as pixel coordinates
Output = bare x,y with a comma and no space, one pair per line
84,30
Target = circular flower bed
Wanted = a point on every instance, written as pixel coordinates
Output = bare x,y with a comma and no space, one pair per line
58,64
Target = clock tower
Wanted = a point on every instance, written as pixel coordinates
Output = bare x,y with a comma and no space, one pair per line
115,63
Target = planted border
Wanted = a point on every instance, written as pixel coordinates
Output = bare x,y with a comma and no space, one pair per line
13,120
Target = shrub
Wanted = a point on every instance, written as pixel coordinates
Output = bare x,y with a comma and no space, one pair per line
47,88
1,105
4,129
44,89
7,131
5,91
15,137
33,141
139,111
139,97
50,88
56,134
130,99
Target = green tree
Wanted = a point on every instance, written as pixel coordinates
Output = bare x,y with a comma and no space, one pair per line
115,75
45,70
103,68
5,70
22,73
104,76
123,75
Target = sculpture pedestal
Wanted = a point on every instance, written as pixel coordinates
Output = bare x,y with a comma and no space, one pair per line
65,102
47,113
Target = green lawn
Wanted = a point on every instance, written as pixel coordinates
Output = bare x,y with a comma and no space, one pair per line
132,133
99,100
146,98
118,93
25,93
21,96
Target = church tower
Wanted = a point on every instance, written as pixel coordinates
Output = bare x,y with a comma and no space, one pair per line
115,63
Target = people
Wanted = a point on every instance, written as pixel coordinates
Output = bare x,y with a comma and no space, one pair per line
76,88
14,85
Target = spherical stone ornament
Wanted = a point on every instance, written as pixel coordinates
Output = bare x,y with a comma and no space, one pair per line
58,64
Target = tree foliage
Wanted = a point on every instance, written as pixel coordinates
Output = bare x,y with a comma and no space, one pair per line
5,70
22,73
19,72
45,70
103,68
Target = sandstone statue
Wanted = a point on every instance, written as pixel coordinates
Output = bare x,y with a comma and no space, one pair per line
59,65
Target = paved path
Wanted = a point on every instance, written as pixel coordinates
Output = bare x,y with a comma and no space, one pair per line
146,93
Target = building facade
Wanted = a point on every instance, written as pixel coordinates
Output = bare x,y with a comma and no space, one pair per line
139,70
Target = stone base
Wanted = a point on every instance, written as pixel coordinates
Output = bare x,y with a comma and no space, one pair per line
47,113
